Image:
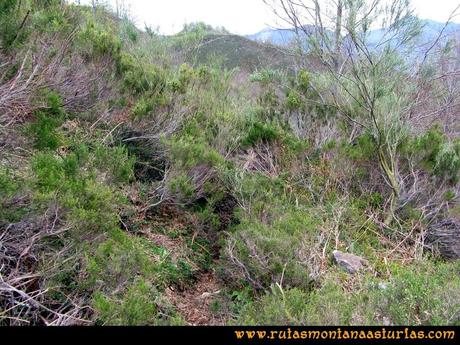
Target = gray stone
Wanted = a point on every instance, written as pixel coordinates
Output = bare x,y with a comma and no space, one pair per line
382,286
351,263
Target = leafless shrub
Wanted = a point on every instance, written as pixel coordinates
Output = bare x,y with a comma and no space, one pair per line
444,236
23,297
261,158
51,66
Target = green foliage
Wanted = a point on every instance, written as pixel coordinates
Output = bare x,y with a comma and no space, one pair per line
115,160
130,31
185,76
48,120
278,307
271,251
138,77
92,208
293,101
48,170
437,154
239,177
114,261
8,183
50,18
421,294
136,307
188,152
192,33
72,180
267,76
182,187
44,130
261,132
303,81
362,148
11,186
425,293
98,42
11,18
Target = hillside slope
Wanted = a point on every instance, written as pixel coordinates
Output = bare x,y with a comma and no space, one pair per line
232,51
142,182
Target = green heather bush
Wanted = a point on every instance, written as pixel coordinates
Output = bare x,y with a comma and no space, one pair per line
303,81
185,76
270,251
140,77
49,172
44,130
363,148
97,42
129,31
437,154
188,152
116,161
293,101
261,132
114,261
51,19
10,186
71,179
420,294
266,76
277,307
92,208
8,183
135,308
48,119
11,17
182,187
186,174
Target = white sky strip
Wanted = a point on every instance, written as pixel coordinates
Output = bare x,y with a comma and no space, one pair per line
239,16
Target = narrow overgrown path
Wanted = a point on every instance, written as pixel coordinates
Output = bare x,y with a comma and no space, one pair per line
195,302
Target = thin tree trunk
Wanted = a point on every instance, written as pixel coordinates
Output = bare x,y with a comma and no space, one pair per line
338,38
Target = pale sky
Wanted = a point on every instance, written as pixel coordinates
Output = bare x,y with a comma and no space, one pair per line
240,16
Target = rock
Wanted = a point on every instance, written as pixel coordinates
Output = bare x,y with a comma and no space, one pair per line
382,286
351,263
209,294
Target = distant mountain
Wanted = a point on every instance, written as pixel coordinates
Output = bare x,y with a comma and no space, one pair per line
279,37
237,51
430,31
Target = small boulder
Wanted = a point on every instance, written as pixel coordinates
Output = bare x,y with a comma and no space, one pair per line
351,263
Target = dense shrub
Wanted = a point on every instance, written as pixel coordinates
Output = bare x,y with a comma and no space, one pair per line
437,154
263,253
97,42
12,21
421,294
261,132
48,119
